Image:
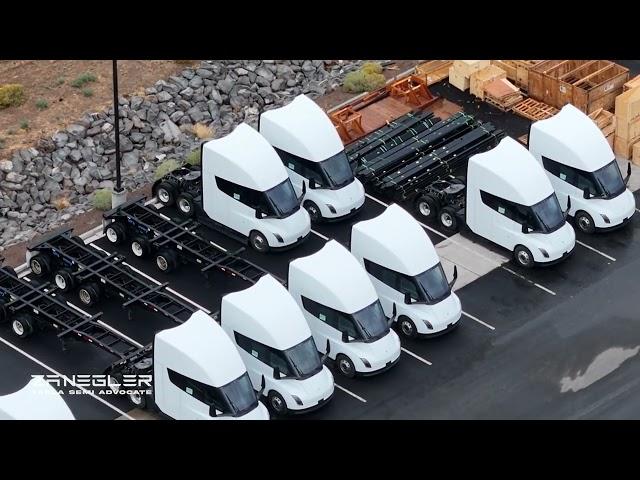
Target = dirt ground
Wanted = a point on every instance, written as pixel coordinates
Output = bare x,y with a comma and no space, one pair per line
50,80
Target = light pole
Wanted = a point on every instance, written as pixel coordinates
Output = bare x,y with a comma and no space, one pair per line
119,195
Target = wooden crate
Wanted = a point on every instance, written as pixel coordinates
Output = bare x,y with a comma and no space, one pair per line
502,94
517,70
479,79
457,80
634,82
465,68
635,158
624,147
586,84
433,71
627,105
534,110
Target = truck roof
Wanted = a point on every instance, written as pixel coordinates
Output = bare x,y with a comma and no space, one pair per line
510,172
301,128
37,400
244,157
571,138
333,277
199,349
267,313
395,240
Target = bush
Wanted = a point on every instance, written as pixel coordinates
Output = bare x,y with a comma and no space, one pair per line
61,203
87,92
371,67
24,125
60,81
83,79
360,81
166,167
202,131
42,104
193,158
11,95
102,199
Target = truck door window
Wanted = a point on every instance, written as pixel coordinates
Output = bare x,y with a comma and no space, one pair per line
385,275
202,392
407,285
331,317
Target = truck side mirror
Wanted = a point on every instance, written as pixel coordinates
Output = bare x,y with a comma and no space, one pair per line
407,298
304,188
326,353
394,314
345,337
276,373
526,228
213,412
566,214
586,193
455,276
626,180
260,213
312,184
262,386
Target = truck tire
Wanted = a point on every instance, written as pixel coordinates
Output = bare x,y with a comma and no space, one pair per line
345,366
523,256
166,193
186,205
407,327
138,400
277,403
22,325
64,280
90,294
78,240
584,222
116,233
426,207
140,246
166,260
313,210
258,242
448,219
40,264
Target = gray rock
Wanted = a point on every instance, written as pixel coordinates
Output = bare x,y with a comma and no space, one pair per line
170,131
93,131
164,97
177,115
201,72
180,82
76,130
6,165
137,137
215,96
196,82
60,139
265,73
188,74
225,85
136,102
75,155
15,177
107,127
130,159
187,93
22,198
37,207
278,84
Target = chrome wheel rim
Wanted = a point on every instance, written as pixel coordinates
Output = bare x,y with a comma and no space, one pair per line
18,328
60,281
258,242
447,220
523,257
112,236
135,398
184,205
85,297
584,222
423,208
406,327
136,248
36,267
345,365
163,195
162,262
276,403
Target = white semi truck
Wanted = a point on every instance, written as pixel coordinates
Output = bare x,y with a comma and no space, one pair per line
310,148
582,166
37,400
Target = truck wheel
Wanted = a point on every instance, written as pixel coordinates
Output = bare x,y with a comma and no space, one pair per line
89,294
185,205
167,260
258,242
166,193
313,210
64,280
448,219
116,233
407,327
22,325
77,239
345,366
138,399
140,246
426,207
40,265
584,222
277,403
523,256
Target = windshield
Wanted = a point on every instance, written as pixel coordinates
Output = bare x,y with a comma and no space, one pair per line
609,180
337,171
546,216
432,285
371,322
304,358
239,395
283,199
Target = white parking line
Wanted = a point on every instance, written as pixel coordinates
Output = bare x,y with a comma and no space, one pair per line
596,250
418,357
490,327
71,382
326,239
470,250
357,397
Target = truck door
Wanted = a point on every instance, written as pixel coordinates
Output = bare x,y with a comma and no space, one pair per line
385,282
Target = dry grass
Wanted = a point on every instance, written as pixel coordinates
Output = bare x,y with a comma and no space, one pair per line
61,203
202,131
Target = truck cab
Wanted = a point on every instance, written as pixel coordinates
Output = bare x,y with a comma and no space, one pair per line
199,375
37,400
310,148
581,165
405,270
342,308
511,202
275,342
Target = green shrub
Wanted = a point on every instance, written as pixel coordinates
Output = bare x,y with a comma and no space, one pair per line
83,79
11,95
357,82
166,167
87,92
102,199
42,104
371,67
24,125
60,81
193,158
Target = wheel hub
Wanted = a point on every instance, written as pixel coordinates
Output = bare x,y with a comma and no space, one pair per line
345,366
185,206
584,222
36,267
136,398
84,296
447,221
406,327
136,248
424,209
112,236
523,257
163,195
161,262
18,327
276,402
61,282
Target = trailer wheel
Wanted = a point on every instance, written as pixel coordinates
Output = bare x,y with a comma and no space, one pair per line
277,403
258,242
185,205
64,280
313,211
140,246
116,233
426,207
584,222
345,366
523,256
166,193
407,327
448,219
78,239
167,260
89,294
40,264
22,325
137,399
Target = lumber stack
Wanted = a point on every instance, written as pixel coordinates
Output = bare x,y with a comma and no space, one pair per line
502,94
627,122
481,77
517,71
461,70
606,122
433,71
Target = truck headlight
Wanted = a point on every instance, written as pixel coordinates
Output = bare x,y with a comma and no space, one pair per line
544,252
331,208
366,362
297,399
278,237
429,326
605,218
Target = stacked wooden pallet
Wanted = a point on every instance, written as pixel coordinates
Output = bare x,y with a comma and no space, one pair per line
461,70
534,110
502,94
628,122
482,77
517,71
433,71
606,122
